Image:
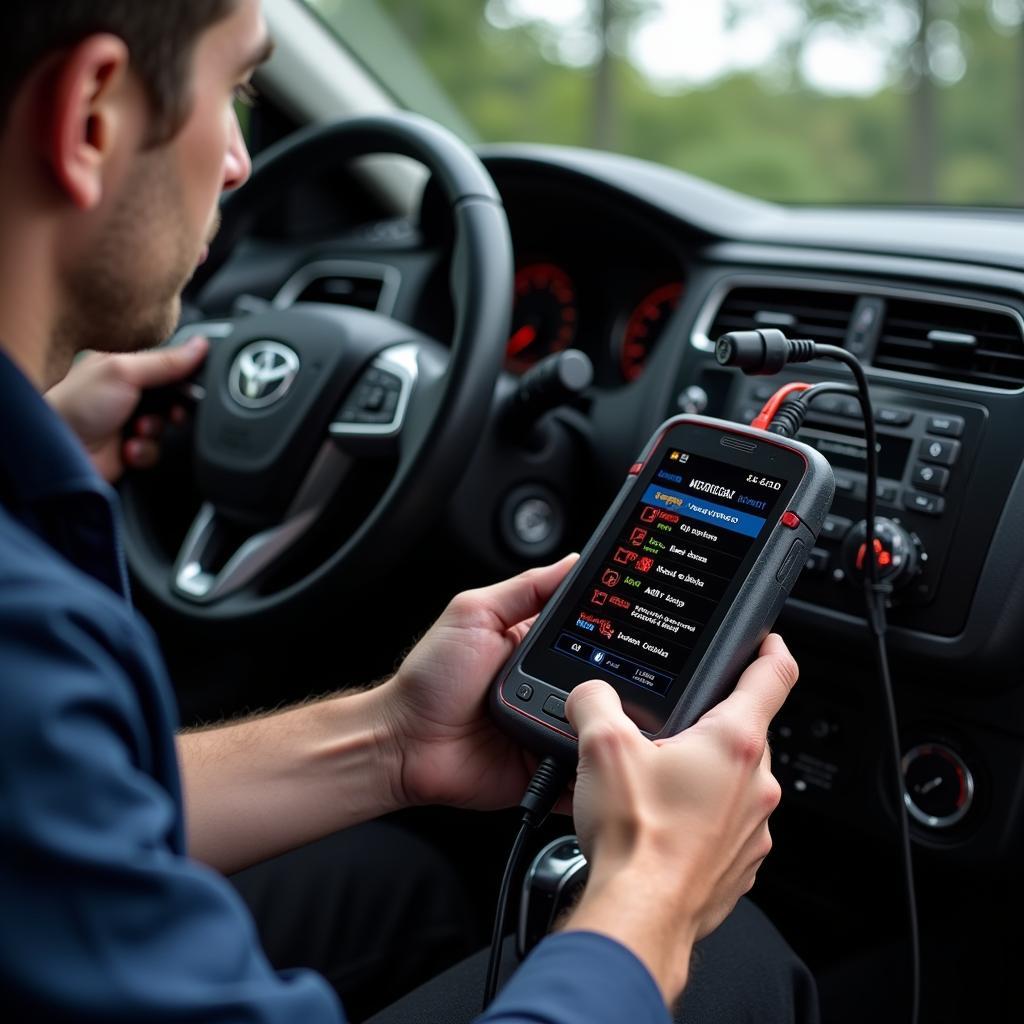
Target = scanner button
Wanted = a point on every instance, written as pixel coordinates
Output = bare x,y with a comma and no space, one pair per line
555,707
790,520
792,563
525,691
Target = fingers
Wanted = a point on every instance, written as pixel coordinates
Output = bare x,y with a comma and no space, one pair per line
163,366
595,711
522,596
140,453
148,427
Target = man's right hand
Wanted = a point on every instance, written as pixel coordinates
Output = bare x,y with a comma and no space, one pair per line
675,829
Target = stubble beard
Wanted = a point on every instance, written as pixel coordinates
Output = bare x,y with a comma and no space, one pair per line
126,297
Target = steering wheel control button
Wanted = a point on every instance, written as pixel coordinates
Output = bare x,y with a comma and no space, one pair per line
532,521
938,787
835,528
262,374
946,426
525,691
790,520
555,707
374,399
376,404
927,504
944,453
931,478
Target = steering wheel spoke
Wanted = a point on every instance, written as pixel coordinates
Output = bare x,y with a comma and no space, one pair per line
217,558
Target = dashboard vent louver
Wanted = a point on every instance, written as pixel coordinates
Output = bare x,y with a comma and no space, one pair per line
343,290
970,344
801,312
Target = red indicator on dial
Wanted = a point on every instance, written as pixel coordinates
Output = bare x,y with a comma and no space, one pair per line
645,325
544,317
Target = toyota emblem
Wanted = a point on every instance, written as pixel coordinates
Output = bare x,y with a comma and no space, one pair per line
262,373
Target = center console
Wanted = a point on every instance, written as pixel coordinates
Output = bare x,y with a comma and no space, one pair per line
928,450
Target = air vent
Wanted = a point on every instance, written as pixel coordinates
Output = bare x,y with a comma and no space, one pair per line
801,312
342,282
971,344
344,290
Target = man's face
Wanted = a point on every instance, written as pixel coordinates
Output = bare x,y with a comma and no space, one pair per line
155,225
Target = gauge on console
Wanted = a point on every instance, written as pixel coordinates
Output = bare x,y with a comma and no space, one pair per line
544,317
644,327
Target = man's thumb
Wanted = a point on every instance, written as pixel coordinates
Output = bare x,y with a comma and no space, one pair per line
166,365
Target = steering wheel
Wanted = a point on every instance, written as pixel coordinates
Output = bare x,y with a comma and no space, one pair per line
296,400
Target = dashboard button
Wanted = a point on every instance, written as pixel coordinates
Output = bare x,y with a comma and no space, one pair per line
525,691
835,527
844,485
945,453
849,407
555,707
926,503
893,417
889,494
947,426
931,478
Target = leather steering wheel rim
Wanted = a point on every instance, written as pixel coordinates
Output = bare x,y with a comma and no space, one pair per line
442,433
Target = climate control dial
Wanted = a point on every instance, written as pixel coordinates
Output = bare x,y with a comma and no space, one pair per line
897,553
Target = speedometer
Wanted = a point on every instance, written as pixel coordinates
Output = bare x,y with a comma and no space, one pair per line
544,317
645,325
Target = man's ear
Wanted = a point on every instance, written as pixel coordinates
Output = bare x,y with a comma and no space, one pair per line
87,115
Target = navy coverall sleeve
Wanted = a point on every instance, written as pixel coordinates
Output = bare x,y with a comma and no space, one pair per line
585,978
103,918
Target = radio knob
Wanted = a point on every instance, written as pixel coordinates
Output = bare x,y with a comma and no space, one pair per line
897,553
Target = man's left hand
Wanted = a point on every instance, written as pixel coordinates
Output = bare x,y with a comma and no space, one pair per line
100,393
448,748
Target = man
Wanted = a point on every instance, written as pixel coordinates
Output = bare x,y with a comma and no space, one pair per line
118,135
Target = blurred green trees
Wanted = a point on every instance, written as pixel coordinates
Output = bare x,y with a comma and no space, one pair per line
947,127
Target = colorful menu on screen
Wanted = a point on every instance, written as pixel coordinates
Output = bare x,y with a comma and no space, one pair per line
664,575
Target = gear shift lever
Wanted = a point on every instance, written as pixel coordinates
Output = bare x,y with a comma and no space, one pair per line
552,884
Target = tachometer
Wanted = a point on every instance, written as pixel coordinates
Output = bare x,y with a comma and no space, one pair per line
544,317
645,325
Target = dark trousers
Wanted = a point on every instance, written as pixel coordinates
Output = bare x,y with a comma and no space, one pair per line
378,912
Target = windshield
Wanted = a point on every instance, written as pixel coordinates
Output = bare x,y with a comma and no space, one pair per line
834,101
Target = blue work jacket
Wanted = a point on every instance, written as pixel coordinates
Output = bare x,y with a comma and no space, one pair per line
103,915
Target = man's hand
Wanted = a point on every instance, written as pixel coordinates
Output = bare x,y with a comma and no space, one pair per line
99,394
676,829
449,750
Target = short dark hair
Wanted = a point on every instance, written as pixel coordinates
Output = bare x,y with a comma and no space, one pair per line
161,36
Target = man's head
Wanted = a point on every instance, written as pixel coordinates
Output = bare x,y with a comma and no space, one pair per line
117,136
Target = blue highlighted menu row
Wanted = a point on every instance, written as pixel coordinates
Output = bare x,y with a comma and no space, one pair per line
703,511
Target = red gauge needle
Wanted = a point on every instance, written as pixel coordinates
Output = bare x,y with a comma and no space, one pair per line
523,338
